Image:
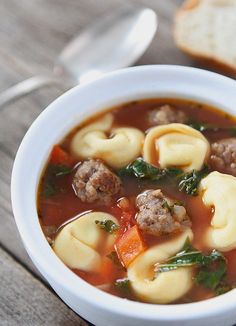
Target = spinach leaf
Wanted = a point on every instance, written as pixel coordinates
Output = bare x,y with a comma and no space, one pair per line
143,170
62,170
189,258
221,289
190,181
187,182
211,279
108,225
114,258
212,267
187,246
122,284
59,170
201,126
173,172
48,189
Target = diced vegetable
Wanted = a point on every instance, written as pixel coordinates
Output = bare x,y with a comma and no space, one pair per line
127,220
124,204
129,246
127,211
126,217
108,225
60,157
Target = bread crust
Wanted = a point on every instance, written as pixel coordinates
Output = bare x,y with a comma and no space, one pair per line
212,63
206,60
189,4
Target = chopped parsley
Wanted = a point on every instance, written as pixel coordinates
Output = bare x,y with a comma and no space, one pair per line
122,284
107,225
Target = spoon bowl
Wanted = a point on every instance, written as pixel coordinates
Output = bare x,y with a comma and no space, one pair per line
112,42
115,42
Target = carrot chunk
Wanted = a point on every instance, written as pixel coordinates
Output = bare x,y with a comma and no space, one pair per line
60,157
129,246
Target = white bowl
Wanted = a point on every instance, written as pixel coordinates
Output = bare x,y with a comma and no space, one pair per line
51,126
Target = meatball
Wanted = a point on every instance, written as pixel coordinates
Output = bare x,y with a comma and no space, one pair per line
159,214
223,155
93,181
166,114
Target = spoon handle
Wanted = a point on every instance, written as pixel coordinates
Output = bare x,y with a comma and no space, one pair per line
25,87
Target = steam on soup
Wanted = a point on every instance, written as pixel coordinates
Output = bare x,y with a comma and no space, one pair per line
139,201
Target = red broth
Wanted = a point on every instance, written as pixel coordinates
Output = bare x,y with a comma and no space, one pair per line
56,209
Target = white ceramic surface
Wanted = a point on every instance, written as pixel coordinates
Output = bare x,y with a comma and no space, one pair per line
67,111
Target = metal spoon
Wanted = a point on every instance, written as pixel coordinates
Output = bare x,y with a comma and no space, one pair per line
112,42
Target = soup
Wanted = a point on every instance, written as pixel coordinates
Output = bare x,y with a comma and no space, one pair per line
139,201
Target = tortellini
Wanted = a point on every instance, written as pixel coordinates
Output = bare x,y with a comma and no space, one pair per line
176,145
164,287
77,243
219,193
122,146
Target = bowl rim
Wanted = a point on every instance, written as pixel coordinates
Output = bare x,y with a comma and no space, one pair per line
51,264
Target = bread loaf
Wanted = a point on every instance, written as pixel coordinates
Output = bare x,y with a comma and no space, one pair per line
206,29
